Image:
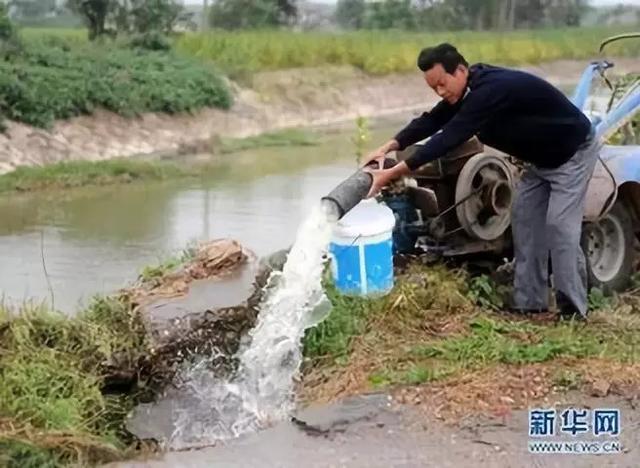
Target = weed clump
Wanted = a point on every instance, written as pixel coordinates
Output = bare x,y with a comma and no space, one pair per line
55,370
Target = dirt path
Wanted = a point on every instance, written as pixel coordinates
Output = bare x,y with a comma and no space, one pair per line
372,431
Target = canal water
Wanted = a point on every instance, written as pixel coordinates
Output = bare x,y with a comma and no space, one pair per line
70,245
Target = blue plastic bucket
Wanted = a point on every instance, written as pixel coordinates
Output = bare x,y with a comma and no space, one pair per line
361,250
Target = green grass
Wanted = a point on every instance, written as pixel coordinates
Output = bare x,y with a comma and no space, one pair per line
489,341
72,174
384,52
59,36
418,374
156,272
439,323
346,320
436,293
17,454
82,173
289,137
492,341
52,407
413,374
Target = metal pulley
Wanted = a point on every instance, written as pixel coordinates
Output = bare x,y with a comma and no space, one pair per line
484,193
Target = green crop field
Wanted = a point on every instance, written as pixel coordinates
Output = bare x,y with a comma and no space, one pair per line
381,52
376,52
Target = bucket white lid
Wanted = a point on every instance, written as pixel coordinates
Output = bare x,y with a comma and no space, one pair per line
367,218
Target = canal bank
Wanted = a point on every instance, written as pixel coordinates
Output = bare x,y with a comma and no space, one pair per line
72,244
273,101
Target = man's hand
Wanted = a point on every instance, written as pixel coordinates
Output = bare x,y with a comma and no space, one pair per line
375,156
379,154
382,177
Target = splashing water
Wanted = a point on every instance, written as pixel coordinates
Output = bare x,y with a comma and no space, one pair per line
261,392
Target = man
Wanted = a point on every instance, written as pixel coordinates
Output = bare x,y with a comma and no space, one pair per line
526,117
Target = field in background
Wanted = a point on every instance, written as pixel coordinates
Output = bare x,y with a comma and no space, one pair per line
69,36
376,52
381,52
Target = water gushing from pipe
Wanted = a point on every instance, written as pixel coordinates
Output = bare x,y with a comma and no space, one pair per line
261,391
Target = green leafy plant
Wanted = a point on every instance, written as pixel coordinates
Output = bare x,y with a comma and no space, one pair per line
484,292
597,299
48,82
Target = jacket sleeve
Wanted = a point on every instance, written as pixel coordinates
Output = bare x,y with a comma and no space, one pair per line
476,109
426,125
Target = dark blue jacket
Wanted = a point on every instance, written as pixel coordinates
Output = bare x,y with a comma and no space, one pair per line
512,111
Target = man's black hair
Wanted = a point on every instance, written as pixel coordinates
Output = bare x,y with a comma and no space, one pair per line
445,54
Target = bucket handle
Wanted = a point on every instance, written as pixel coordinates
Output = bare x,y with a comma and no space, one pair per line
341,249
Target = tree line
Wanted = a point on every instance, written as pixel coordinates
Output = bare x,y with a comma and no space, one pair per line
110,17
407,14
142,16
459,14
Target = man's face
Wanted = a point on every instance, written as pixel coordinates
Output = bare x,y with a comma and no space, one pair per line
450,87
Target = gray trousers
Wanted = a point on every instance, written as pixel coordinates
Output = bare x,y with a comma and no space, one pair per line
547,219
